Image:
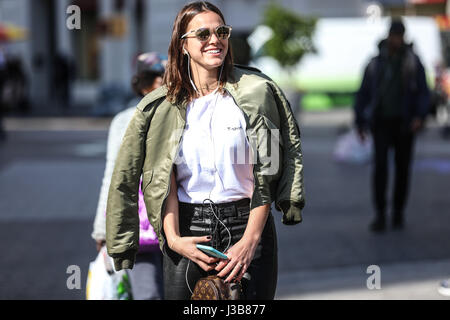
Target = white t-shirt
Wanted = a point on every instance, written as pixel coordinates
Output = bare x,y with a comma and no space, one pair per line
214,160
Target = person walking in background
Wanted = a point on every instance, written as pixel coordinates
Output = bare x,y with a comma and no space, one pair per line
2,81
63,74
146,277
16,86
185,137
392,103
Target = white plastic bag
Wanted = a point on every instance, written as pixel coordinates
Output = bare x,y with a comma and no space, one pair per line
104,283
350,149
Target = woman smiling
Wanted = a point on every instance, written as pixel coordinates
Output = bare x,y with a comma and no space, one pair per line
194,188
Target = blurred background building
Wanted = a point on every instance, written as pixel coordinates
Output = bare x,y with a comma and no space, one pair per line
87,70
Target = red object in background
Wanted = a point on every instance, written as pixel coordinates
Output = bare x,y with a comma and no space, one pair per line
442,81
445,82
443,22
3,34
10,32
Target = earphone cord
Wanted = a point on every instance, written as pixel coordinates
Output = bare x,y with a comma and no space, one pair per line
189,73
209,197
214,232
217,171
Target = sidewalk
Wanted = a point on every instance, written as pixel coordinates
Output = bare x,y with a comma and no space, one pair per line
338,118
56,124
410,281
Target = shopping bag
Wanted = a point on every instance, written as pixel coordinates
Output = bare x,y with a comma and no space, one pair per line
105,283
350,149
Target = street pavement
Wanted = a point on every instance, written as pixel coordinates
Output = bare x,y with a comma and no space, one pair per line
50,176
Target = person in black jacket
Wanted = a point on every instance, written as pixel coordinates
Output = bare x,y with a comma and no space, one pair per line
392,103
2,80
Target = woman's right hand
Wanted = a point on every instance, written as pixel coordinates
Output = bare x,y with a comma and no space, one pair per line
186,246
99,243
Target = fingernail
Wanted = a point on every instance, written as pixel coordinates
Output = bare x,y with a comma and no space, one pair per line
208,237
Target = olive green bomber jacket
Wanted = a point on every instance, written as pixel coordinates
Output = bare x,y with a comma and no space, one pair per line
150,147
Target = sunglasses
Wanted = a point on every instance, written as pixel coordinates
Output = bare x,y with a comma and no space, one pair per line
204,34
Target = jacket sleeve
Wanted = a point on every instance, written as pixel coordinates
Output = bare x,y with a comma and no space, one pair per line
423,93
115,135
290,198
364,97
122,218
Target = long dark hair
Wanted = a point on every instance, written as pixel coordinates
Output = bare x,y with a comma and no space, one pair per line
176,77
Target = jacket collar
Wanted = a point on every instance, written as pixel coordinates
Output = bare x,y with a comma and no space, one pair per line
230,86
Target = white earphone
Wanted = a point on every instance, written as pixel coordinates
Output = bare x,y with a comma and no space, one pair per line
189,69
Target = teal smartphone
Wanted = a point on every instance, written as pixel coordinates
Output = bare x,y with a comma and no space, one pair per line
212,252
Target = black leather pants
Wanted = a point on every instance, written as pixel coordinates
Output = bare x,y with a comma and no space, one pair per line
389,134
199,220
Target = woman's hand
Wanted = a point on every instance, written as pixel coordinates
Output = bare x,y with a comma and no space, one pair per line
186,246
99,243
416,125
240,255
